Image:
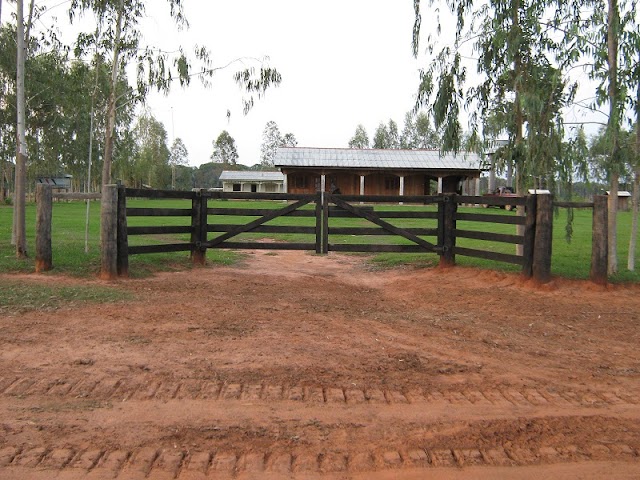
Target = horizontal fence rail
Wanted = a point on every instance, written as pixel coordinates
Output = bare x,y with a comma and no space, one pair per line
349,223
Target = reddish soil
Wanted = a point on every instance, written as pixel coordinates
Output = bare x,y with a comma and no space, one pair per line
293,365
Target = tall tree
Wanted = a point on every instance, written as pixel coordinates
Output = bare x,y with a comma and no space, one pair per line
21,150
381,138
178,156
360,139
271,140
224,149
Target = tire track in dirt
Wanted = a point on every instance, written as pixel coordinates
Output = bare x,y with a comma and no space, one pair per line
149,462
126,388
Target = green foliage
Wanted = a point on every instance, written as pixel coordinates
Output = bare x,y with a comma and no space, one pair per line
360,139
272,139
224,149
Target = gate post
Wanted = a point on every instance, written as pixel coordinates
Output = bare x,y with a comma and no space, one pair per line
447,229
543,239
319,223
198,228
109,232
325,222
44,201
123,240
599,250
529,236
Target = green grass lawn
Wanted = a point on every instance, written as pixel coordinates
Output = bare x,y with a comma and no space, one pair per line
570,260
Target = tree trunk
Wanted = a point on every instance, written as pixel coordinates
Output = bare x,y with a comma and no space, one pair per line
613,127
111,111
519,121
631,258
21,150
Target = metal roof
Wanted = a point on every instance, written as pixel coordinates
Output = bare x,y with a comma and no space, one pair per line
250,175
375,159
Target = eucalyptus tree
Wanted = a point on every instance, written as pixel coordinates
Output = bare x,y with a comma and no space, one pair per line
360,138
178,156
224,149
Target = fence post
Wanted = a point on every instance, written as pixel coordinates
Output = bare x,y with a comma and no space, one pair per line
543,239
123,240
109,232
599,245
325,222
198,224
447,232
319,225
529,236
44,200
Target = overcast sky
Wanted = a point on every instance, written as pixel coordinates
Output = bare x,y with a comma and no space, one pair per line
343,62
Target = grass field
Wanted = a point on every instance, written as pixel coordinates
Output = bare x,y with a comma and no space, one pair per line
570,260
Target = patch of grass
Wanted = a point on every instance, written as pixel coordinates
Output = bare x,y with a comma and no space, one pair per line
570,260
20,297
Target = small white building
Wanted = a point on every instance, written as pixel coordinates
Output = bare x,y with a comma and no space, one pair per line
252,181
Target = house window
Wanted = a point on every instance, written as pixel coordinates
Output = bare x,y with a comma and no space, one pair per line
237,187
392,183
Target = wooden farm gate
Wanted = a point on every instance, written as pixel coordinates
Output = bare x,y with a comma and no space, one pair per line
375,217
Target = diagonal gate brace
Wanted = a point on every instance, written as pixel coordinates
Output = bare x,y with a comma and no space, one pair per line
381,223
256,223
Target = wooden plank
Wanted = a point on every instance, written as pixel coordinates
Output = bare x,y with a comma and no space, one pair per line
529,235
490,200
198,229
159,212
256,212
487,217
142,193
419,199
158,230
266,246
264,229
372,248
543,239
77,196
406,214
325,223
573,204
164,248
44,210
256,223
379,231
387,226
260,196
491,237
599,251
499,257
123,239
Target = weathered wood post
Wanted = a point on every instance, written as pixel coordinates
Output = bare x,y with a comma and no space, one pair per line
599,245
44,255
529,236
319,223
543,239
109,232
123,240
198,225
447,229
325,221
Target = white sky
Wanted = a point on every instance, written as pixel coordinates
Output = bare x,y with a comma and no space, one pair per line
342,63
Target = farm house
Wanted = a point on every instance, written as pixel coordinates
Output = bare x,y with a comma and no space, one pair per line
378,172
250,181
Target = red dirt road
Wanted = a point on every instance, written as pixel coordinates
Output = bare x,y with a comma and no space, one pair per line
293,365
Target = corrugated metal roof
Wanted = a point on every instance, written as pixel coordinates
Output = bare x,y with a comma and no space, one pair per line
376,159
250,175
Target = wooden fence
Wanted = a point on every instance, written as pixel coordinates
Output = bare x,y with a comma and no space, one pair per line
323,209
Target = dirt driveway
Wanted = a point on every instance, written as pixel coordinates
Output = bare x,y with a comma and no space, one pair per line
293,365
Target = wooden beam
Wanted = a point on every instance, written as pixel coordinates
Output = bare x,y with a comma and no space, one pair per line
44,255
541,267
599,250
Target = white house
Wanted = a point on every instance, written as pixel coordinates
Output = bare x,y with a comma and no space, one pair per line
252,181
